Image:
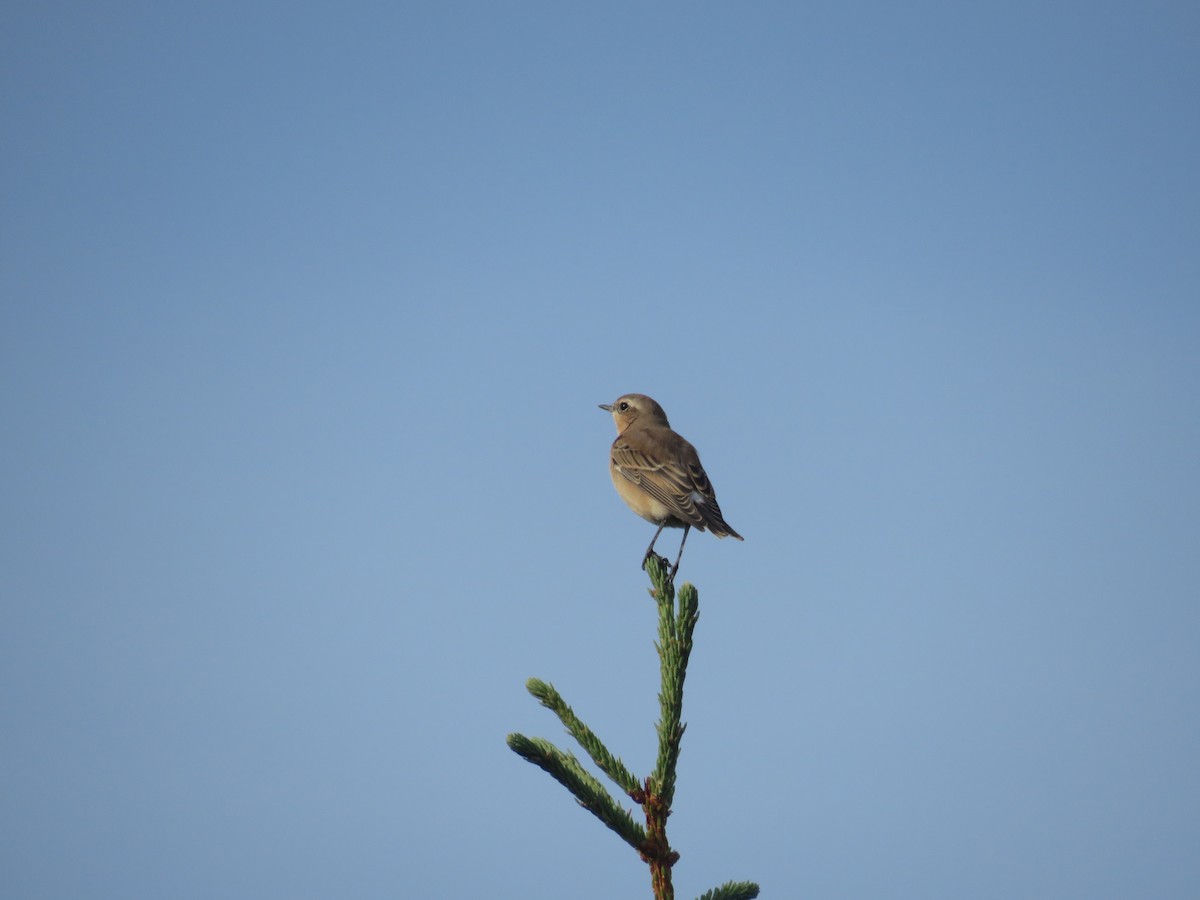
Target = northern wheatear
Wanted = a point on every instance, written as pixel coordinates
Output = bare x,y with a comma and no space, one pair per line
658,473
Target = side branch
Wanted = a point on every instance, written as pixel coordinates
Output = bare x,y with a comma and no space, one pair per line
588,792
607,763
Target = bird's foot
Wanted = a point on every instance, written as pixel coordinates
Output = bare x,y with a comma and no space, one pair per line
646,559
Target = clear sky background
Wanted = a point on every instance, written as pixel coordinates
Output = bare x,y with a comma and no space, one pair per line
306,312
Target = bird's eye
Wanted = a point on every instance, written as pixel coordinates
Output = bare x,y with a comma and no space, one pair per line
622,406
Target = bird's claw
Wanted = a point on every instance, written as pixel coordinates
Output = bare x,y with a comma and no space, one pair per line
663,561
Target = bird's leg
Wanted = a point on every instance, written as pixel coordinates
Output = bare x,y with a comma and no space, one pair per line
675,568
650,549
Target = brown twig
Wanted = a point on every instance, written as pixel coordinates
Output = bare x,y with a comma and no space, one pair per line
657,852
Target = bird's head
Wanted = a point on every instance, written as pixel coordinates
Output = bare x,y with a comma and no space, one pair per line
630,408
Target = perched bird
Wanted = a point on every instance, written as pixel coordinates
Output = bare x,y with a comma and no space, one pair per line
658,474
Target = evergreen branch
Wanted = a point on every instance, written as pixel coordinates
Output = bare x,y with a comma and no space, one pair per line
588,792
676,624
732,890
689,615
608,764
674,647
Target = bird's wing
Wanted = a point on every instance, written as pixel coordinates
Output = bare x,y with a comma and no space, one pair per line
678,482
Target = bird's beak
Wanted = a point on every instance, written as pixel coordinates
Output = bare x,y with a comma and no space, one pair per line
607,407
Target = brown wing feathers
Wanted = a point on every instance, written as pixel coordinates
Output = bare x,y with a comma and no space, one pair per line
674,483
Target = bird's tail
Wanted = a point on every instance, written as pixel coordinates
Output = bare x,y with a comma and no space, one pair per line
715,522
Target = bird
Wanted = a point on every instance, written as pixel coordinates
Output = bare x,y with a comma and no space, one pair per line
658,474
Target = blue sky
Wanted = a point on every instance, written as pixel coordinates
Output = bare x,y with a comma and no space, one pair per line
306,311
